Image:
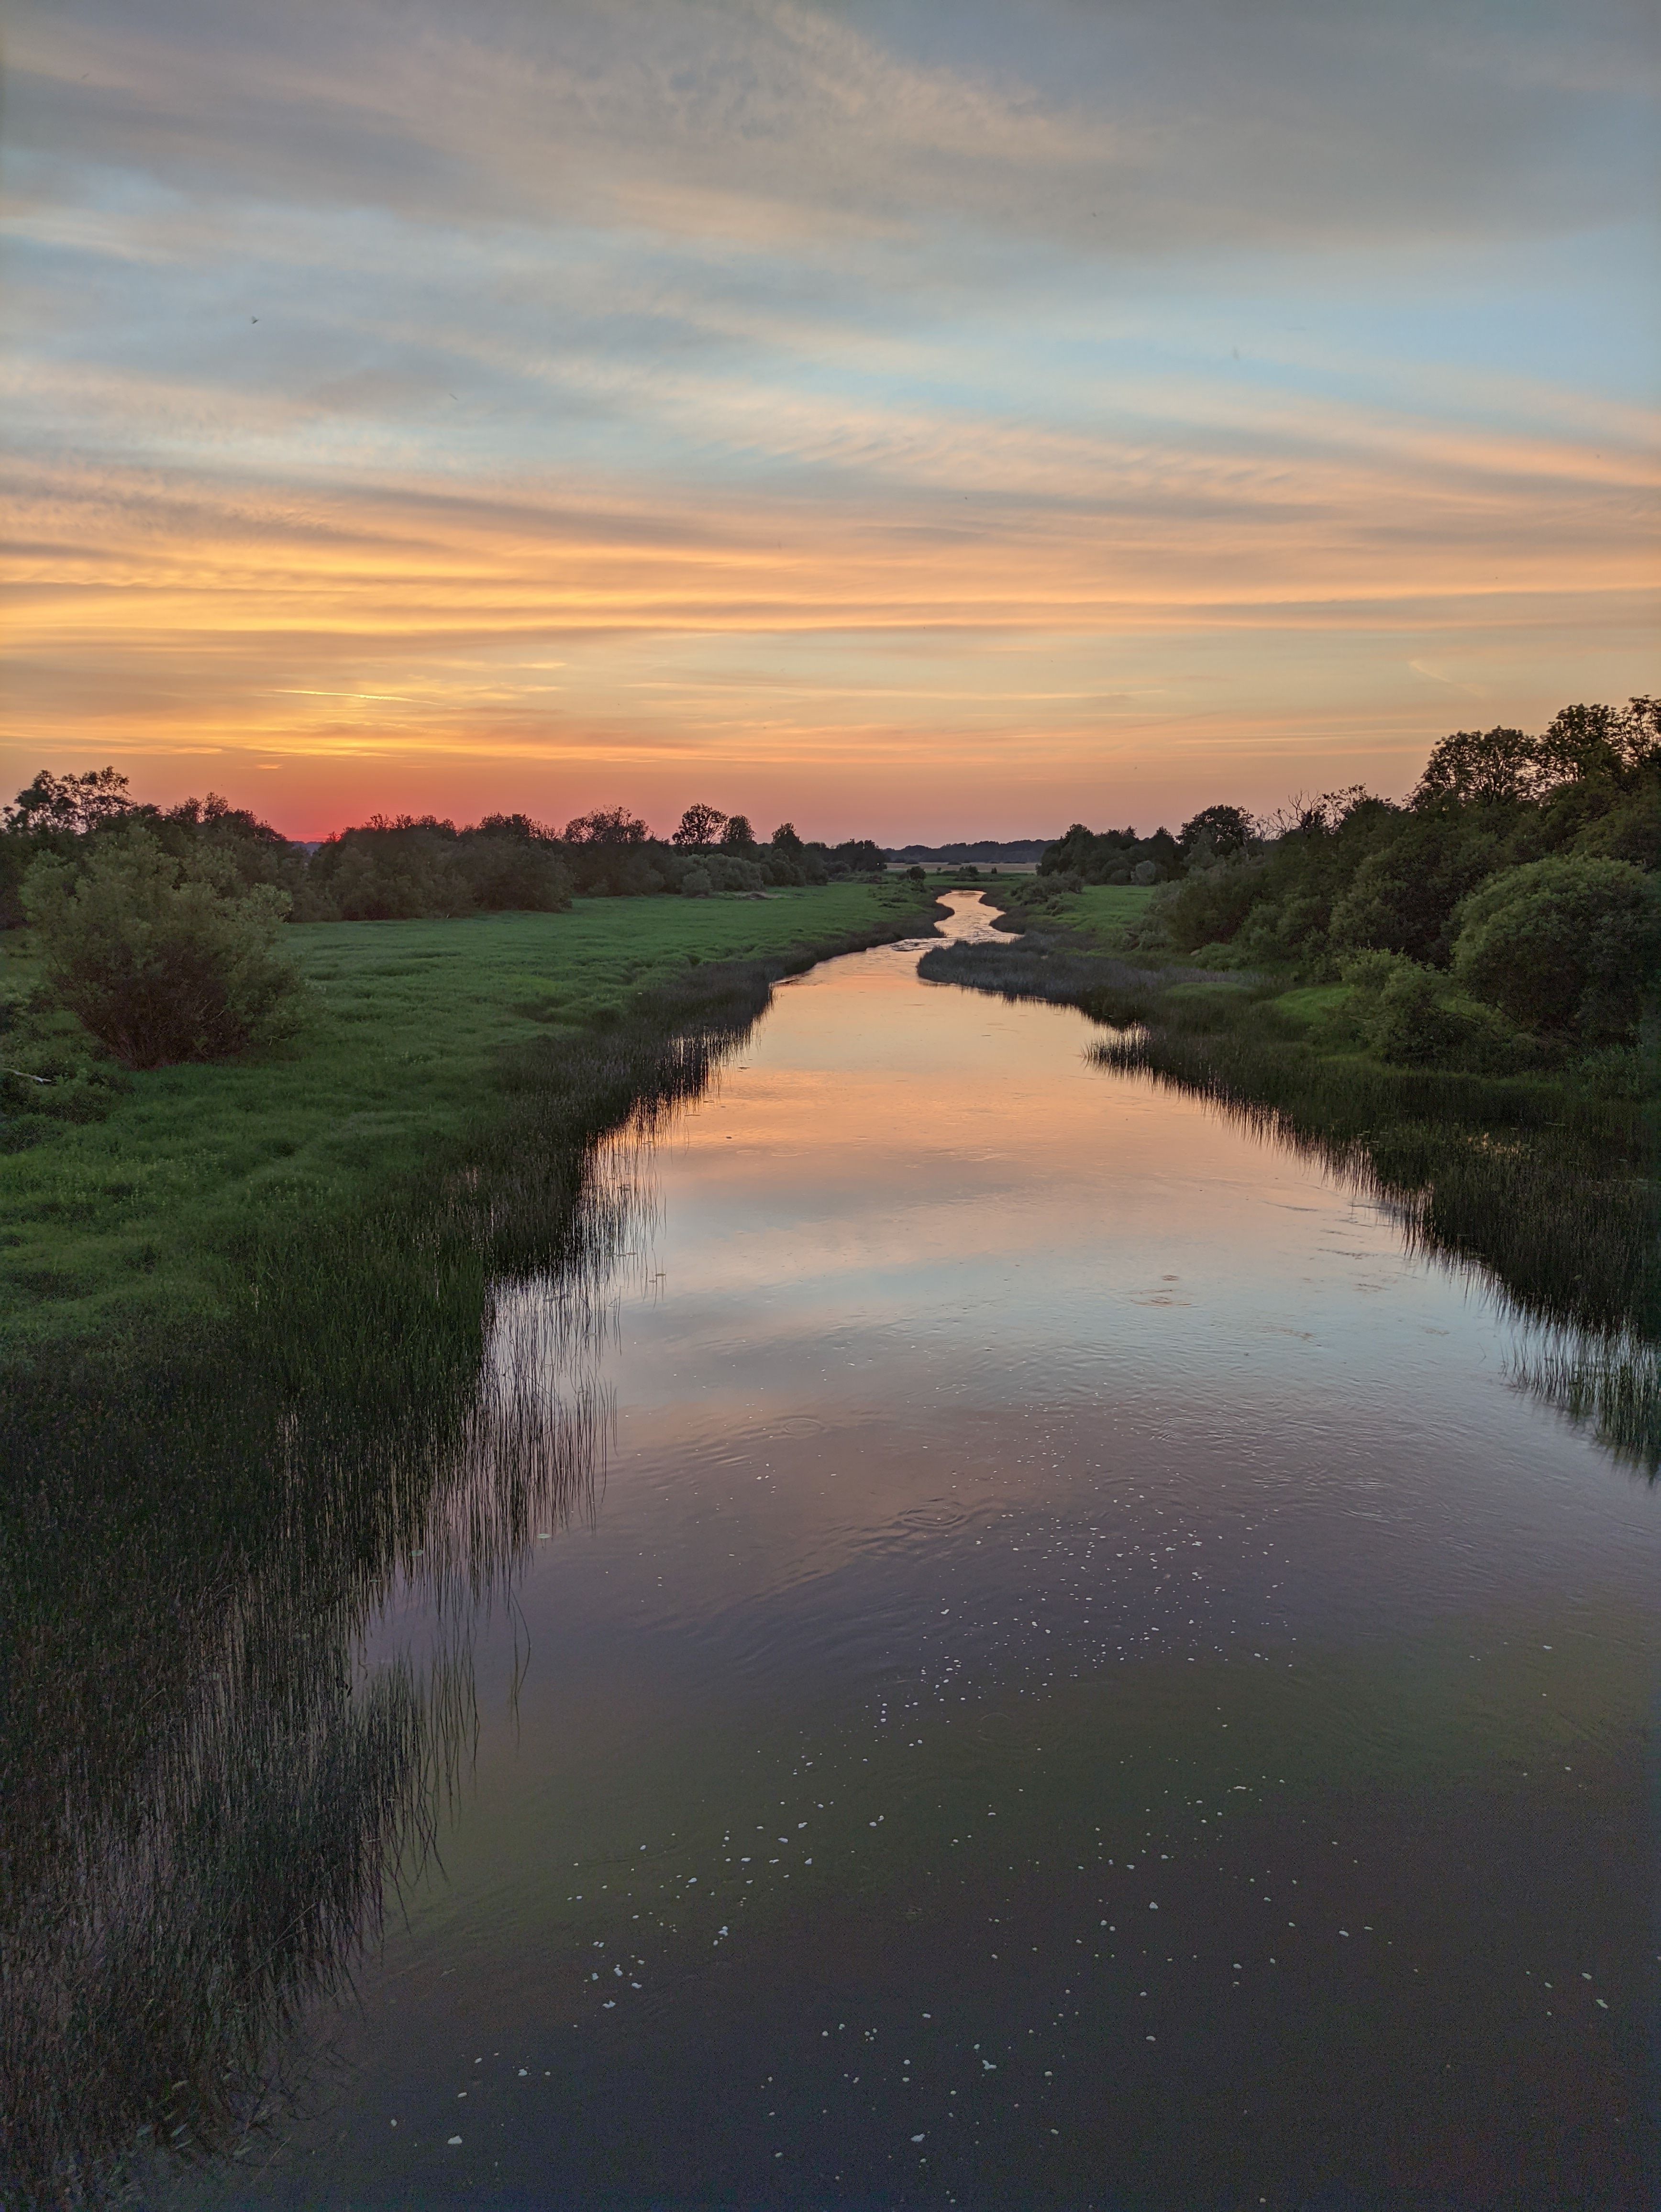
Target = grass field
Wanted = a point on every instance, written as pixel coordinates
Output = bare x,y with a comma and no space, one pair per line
1102,912
129,1219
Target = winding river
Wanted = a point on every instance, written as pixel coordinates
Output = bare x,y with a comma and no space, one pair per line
1059,1667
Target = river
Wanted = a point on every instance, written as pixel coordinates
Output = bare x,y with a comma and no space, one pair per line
1057,1666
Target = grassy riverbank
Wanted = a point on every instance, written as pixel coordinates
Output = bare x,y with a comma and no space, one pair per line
144,1223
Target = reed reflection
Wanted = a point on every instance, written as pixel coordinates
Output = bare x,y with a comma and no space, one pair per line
1556,1217
211,1792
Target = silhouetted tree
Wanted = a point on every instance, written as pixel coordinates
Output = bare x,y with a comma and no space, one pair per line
1215,833
1469,766
72,803
612,825
697,827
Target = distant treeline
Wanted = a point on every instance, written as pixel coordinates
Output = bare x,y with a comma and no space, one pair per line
407,867
1510,901
987,849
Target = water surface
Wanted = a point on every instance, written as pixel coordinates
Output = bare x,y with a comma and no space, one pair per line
1071,1677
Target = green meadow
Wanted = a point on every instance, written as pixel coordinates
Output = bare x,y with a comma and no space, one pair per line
134,1221
1101,913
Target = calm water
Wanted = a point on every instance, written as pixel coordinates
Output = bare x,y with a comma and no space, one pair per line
1072,1678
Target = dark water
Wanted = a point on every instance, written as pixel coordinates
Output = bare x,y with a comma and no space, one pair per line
1057,1666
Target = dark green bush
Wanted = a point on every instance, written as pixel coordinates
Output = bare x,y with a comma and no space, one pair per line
161,959
1403,895
1415,1017
1570,947
1630,830
406,870
1209,906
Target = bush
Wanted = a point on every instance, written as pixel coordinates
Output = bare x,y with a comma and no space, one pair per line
509,874
386,873
161,959
1288,932
1412,1017
1621,1071
1403,896
1630,830
1208,906
1568,946
412,871
730,871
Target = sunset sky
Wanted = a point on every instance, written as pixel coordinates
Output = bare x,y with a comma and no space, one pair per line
922,418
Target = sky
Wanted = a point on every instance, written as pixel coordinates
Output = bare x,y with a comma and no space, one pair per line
915,418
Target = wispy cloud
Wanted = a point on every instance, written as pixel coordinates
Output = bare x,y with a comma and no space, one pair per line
817,389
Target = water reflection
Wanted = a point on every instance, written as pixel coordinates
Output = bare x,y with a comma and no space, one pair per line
1608,1383
210,1789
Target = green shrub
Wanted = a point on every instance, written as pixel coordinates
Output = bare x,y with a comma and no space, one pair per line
1621,1071
506,874
405,870
1569,946
1413,1016
162,958
394,873
1289,932
731,872
1208,906
1628,831
1403,896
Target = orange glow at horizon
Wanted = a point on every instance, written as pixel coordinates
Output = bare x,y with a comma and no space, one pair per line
398,646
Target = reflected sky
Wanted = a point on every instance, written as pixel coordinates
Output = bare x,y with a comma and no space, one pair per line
1081,1682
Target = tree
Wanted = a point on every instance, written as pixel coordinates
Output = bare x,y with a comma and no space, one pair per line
1469,766
163,959
73,804
859,856
1215,833
507,872
612,825
515,825
1571,946
1326,815
1403,896
698,826
1601,745
738,837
